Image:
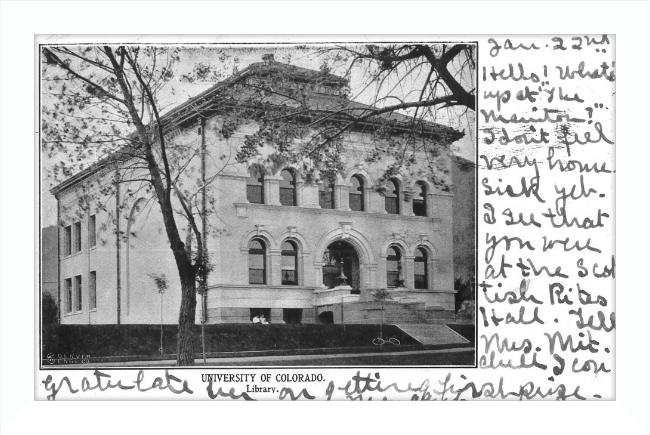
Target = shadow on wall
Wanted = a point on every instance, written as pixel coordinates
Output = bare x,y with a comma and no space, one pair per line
49,310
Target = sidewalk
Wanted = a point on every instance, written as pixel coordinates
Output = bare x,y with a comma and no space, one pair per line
254,360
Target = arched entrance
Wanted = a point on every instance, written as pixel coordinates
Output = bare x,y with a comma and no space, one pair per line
341,265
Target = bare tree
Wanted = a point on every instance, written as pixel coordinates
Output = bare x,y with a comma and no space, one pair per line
405,88
445,72
104,101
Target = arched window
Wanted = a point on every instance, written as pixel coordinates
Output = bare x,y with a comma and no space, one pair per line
326,194
255,186
288,188
420,199
256,262
289,263
356,194
392,197
421,270
394,267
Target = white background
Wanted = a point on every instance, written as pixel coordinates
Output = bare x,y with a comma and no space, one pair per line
21,21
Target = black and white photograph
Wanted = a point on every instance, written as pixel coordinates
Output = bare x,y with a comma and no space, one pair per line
300,205
258,204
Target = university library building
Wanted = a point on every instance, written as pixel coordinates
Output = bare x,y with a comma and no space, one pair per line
291,247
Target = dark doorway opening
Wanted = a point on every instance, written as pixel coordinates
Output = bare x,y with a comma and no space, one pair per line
341,265
326,317
292,315
256,312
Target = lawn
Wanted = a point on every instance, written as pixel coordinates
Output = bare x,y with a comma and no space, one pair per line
144,340
464,357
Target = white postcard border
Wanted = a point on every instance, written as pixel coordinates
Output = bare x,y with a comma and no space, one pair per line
628,20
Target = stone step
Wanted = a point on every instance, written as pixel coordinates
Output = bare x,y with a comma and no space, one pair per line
428,334
387,319
392,316
407,312
436,314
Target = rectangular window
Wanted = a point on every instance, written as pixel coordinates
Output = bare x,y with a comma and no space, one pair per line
292,315
391,205
77,237
420,275
92,290
289,275
77,293
287,196
256,276
392,273
67,295
258,313
255,194
256,268
392,279
419,207
326,197
356,202
67,241
92,232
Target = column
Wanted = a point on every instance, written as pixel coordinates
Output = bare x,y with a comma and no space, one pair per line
318,277
408,271
300,184
371,274
435,276
406,207
432,266
363,277
272,190
342,196
380,273
367,199
275,267
430,205
277,315
310,195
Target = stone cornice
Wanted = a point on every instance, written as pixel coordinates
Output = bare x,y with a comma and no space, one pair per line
342,213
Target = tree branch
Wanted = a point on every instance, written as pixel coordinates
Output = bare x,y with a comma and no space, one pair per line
54,58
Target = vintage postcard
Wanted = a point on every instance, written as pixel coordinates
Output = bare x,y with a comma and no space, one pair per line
325,219
225,206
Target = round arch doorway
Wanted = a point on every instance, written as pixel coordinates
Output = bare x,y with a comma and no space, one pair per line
341,266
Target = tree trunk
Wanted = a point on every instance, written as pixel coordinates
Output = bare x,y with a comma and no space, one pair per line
381,325
186,319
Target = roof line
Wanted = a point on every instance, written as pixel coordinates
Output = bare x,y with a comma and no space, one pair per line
168,117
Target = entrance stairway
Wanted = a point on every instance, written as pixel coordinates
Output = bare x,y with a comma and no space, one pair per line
426,325
433,334
371,312
395,313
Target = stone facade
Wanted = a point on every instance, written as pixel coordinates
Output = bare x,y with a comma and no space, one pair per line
105,276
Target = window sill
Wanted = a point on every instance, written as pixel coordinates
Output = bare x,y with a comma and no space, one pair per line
72,255
257,286
243,206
